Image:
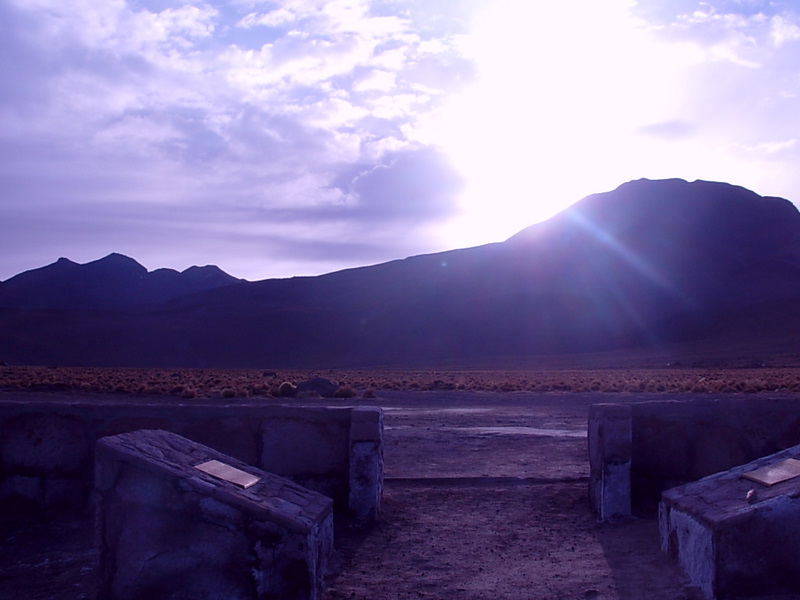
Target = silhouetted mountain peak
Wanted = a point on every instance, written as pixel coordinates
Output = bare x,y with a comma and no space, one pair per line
113,268
654,203
114,257
672,207
113,281
115,260
211,274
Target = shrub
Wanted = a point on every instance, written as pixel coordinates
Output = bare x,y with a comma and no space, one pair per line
287,390
344,391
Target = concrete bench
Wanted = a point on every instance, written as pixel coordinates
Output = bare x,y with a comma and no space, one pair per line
638,450
47,447
735,537
167,529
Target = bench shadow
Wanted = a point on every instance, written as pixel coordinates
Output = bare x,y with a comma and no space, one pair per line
640,569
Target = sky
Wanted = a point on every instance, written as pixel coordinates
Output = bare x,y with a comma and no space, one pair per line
301,137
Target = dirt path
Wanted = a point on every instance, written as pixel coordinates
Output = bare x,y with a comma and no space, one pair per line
486,498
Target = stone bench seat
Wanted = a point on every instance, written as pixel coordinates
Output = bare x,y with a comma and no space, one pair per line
735,537
166,529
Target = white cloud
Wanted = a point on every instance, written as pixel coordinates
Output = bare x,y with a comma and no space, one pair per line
274,18
784,30
772,147
376,81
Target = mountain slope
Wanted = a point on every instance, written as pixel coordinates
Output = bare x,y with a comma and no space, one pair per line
651,264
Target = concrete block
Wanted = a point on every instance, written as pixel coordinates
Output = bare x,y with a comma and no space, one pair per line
366,482
610,445
366,465
165,529
733,537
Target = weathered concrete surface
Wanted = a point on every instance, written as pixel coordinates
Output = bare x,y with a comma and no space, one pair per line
47,447
674,442
168,530
731,545
366,465
609,438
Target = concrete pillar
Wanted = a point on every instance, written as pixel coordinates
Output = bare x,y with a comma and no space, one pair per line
366,465
610,442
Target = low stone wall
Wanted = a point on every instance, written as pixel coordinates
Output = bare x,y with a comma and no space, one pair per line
638,450
166,529
47,447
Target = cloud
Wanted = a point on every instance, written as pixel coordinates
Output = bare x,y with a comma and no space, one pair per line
740,32
668,130
784,30
274,18
786,147
411,184
151,82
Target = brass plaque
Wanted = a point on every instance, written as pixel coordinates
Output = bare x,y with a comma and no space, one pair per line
228,473
772,474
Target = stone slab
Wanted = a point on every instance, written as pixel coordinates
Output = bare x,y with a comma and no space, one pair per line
734,537
167,529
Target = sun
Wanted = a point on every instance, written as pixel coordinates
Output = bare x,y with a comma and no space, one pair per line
556,112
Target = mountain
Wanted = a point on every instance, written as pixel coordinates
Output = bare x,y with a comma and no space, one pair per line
115,281
654,268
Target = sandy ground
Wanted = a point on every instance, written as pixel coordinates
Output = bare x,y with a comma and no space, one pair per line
485,498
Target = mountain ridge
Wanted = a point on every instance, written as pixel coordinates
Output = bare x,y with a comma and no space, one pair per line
651,264
114,281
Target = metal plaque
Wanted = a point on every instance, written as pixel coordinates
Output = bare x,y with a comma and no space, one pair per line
772,474
228,473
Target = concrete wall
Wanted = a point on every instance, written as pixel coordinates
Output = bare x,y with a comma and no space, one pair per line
47,447
670,443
